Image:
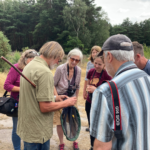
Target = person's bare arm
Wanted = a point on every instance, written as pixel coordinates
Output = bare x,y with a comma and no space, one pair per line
15,89
77,93
55,91
52,106
98,145
84,90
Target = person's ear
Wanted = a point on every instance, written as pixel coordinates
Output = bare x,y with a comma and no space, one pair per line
138,56
109,57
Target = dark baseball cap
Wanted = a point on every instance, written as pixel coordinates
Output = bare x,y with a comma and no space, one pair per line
117,42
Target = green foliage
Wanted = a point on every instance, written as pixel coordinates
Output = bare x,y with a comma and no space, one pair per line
146,51
74,15
32,23
136,32
5,48
25,48
72,43
16,57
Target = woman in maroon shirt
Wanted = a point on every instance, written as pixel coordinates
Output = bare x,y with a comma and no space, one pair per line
95,78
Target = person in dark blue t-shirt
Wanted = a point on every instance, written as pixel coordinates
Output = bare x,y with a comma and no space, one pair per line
141,62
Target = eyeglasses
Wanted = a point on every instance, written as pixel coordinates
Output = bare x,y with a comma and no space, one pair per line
73,59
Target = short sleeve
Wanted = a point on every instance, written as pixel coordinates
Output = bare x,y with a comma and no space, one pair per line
88,67
101,126
89,74
45,90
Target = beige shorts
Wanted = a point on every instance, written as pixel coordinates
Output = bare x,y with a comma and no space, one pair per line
57,114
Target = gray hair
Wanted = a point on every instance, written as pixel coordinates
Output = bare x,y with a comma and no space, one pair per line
121,55
30,53
75,52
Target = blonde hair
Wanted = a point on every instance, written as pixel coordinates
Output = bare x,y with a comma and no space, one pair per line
52,50
97,48
30,53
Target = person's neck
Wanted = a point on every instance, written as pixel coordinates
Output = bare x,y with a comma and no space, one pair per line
98,71
143,62
70,68
117,64
47,60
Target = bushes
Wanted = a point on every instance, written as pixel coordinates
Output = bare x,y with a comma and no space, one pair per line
146,51
5,48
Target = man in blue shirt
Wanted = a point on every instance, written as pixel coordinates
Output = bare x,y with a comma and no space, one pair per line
141,62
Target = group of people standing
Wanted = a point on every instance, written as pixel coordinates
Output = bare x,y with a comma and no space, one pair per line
34,124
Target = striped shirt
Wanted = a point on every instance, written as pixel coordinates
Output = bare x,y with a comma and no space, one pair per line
89,66
134,92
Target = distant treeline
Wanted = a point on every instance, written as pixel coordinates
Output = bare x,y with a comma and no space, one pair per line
136,31
73,23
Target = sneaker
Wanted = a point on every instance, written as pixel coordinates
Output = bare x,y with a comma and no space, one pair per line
61,146
75,146
87,129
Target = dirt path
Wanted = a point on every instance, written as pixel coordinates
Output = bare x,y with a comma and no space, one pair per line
6,129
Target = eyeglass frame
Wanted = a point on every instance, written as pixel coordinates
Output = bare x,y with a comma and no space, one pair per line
73,59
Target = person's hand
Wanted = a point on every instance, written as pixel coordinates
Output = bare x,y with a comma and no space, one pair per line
71,101
60,98
90,88
85,95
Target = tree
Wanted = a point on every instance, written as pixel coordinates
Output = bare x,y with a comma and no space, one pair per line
74,15
5,48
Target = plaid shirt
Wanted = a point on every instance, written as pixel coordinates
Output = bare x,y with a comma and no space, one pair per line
134,92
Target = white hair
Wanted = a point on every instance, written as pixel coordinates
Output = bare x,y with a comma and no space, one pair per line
75,52
121,55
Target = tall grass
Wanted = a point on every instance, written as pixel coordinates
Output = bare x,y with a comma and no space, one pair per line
2,81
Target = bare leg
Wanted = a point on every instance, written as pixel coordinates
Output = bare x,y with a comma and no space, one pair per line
60,134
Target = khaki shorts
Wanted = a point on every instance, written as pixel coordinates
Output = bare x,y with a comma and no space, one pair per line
57,114
56,118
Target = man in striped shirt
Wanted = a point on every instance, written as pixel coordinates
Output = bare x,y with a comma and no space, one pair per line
134,93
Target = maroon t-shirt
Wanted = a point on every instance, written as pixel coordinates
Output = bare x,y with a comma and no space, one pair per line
95,81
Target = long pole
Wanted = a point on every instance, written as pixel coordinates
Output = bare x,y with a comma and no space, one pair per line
18,71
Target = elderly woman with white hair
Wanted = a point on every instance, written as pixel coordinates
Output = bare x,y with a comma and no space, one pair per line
67,76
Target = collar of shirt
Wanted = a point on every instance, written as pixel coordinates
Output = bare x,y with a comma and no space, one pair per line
125,65
39,59
147,65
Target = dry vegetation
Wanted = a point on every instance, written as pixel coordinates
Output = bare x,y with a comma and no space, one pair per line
2,80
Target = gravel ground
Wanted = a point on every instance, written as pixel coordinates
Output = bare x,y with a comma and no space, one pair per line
6,129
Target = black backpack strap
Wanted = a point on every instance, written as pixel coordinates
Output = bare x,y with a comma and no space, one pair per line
116,109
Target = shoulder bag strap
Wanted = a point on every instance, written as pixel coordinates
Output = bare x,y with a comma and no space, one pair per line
5,94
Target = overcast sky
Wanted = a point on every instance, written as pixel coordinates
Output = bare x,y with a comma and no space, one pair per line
118,10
